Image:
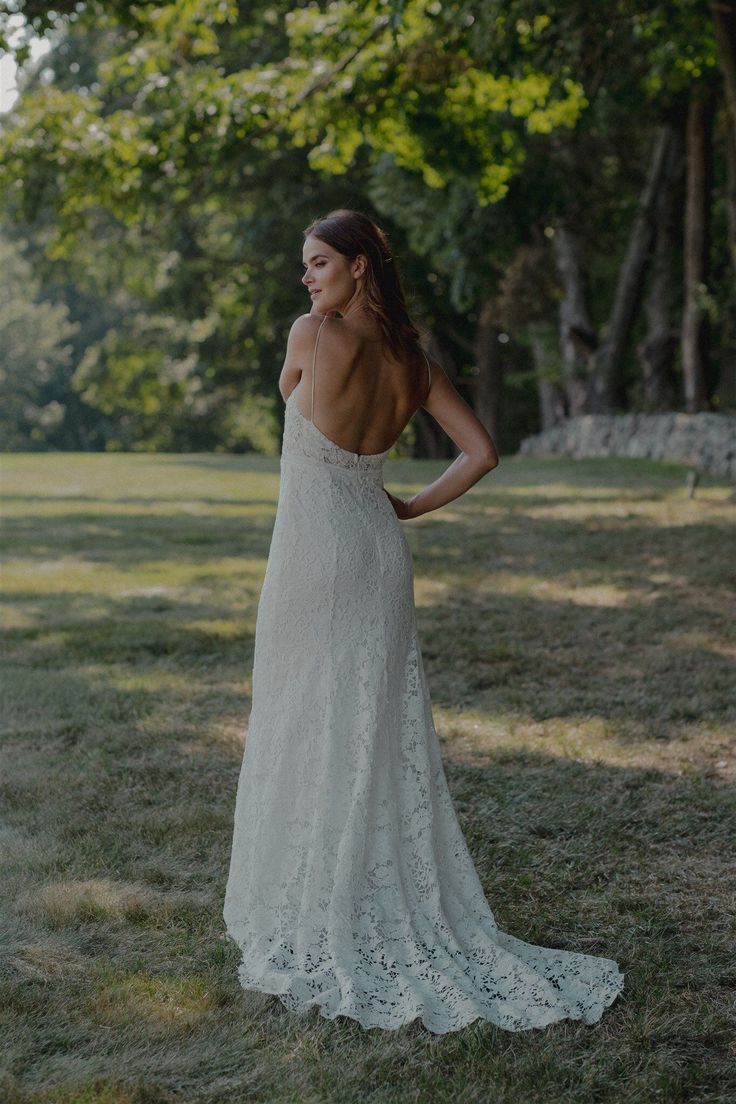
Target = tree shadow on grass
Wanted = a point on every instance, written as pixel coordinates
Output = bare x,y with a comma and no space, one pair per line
536,658
151,501
606,550
64,630
656,653
624,551
540,659
128,540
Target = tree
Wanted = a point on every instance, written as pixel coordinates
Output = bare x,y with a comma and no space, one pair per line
35,355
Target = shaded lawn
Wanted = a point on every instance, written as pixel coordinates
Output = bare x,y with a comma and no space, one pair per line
574,618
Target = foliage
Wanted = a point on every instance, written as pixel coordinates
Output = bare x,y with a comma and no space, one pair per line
196,137
34,354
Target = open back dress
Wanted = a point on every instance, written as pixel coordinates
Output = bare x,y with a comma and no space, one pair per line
351,888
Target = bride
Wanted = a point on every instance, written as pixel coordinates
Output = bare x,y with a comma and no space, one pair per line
351,888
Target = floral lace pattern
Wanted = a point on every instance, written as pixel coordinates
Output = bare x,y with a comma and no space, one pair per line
351,887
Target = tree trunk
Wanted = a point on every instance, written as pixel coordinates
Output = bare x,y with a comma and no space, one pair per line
489,385
552,408
578,339
610,357
724,22
657,352
694,335
727,376
551,403
729,156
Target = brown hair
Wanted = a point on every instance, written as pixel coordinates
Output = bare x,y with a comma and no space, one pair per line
351,233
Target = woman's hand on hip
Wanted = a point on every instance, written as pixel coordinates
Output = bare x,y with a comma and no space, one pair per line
402,508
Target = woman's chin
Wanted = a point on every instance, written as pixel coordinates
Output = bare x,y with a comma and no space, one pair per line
320,306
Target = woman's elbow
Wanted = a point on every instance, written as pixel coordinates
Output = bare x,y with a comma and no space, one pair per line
482,457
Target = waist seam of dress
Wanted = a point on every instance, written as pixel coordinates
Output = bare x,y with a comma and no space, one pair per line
300,458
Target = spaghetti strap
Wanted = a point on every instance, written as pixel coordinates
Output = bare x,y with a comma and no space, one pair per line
429,373
314,361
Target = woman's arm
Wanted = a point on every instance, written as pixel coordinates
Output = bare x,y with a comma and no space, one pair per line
478,453
300,349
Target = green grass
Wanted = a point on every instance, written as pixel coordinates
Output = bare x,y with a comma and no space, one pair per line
575,624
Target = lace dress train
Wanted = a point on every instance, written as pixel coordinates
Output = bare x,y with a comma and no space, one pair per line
351,887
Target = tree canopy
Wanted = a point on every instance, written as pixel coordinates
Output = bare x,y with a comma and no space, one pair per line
162,159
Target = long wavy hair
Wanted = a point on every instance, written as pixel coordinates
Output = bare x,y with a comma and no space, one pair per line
351,233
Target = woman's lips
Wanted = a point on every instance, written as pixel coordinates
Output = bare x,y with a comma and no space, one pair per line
315,292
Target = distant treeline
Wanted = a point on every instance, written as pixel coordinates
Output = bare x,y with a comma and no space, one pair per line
558,180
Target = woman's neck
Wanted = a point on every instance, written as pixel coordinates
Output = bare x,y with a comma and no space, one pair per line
363,320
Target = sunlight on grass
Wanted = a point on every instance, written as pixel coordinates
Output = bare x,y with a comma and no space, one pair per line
164,1004
63,903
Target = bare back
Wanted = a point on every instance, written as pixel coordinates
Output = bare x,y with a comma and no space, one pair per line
356,393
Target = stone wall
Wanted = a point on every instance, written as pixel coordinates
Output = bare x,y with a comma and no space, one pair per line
704,441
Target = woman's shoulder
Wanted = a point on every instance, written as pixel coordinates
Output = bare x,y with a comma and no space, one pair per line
310,324
334,331
306,325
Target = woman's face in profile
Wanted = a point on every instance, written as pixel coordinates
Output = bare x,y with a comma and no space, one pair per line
328,275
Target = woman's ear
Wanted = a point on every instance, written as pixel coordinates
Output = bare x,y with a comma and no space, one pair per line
360,264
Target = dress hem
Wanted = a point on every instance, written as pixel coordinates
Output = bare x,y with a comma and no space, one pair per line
588,1016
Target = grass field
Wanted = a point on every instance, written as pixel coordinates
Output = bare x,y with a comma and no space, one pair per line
575,624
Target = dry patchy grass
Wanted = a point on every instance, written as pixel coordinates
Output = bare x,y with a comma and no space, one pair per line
576,624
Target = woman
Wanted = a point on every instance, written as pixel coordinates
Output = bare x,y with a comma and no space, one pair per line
351,887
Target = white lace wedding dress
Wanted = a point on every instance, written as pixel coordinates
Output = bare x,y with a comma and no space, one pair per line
351,887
